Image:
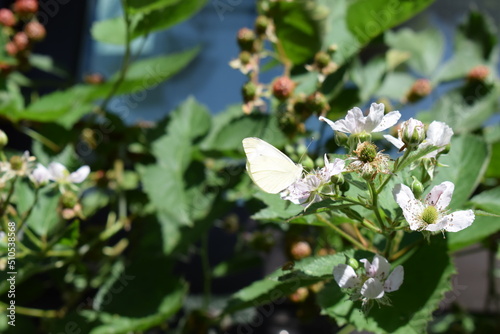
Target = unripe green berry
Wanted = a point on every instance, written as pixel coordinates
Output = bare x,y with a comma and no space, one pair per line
69,199
353,263
4,140
261,24
249,91
366,152
341,139
317,103
16,162
322,59
430,214
246,39
416,187
245,57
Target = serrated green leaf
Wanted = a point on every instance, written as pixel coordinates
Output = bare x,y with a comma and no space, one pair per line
467,162
426,48
282,282
481,228
46,207
154,17
423,288
298,29
493,169
395,85
277,208
368,76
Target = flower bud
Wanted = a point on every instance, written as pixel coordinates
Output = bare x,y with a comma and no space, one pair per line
4,140
21,41
94,79
332,49
446,149
35,31
341,139
283,88
307,162
420,89
417,187
412,132
249,91
322,59
353,263
7,18
69,199
246,39
299,295
337,179
478,73
317,103
25,7
245,57
11,49
300,250
344,187
261,24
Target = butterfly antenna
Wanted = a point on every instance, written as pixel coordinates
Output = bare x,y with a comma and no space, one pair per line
307,149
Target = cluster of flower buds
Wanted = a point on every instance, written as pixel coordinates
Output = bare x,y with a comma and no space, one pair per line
22,29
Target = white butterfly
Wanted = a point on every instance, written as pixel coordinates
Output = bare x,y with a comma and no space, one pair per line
268,167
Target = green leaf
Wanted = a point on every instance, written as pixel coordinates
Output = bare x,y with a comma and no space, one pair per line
282,283
482,227
412,305
493,169
164,182
426,48
46,63
277,209
462,117
395,85
46,207
488,200
467,162
138,6
263,126
146,19
368,76
298,29
481,29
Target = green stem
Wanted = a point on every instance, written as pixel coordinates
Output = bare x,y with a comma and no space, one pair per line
207,275
371,227
342,233
9,195
375,206
388,245
42,139
125,62
26,215
34,312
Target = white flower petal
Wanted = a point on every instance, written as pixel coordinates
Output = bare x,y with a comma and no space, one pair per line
394,280
374,117
387,121
345,276
57,171
440,195
439,226
40,175
336,126
412,208
382,266
79,175
459,220
394,141
439,134
372,289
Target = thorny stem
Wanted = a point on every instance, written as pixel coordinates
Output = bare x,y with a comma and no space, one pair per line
342,233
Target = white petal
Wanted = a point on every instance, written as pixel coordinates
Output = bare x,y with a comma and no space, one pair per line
372,289
440,195
336,126
57,171
459,220
394,280
439,134
412,208
387,121
394,141
79,175
439,226
374,117
345,276
381,266
40,174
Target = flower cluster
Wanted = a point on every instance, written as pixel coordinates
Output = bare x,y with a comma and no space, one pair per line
58,173
314,186
371,283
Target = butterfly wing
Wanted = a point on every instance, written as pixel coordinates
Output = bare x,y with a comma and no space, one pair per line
268,167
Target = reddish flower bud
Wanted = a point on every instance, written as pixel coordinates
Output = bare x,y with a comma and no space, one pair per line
478,73
5,69
246,39
7,18
283,88
420,89
261,24
11,48
317,103
322,59
25,7
35,31
21,40
94,79
300,250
